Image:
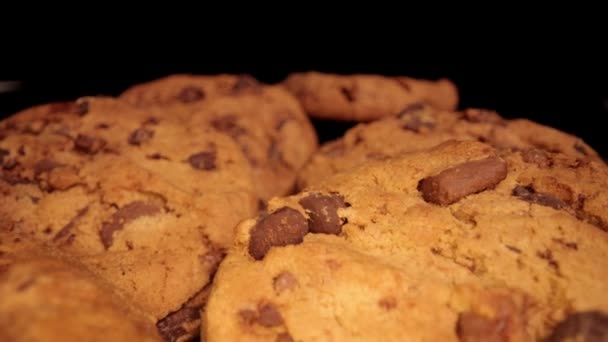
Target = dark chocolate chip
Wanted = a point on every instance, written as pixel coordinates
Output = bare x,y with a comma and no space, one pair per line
228,124
172,326
88,144
468,178
348,93
123,216
269,316
323,212
283,227
191,94
82,108
45,165
527,193
203,160
579,147
411,108
581,326
245,82
262,205
140,136
248,316
284,281
67,229
156,156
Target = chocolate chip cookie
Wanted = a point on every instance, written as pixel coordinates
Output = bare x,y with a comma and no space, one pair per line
146,205
460,242
267,122
46,297
363,97
419,127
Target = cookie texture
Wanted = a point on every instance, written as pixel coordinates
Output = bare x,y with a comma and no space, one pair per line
46,297
267,122
146,205
460,242
364,97
420,127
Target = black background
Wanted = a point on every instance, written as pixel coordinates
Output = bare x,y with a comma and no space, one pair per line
564,90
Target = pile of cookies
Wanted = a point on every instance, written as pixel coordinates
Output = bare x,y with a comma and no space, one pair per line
202,207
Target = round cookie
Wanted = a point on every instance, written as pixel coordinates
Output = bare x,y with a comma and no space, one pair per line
149,213
45,297
460,242
363,97
188,89
420,127
267,122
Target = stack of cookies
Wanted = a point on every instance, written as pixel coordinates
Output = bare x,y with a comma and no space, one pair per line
202,207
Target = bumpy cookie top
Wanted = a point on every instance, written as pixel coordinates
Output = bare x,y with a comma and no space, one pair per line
188,89
46,297
458,242
267,122
363,97
419,127
145,205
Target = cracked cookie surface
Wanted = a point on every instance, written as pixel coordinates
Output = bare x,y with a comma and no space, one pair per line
419,127
144,204
267,122
460,242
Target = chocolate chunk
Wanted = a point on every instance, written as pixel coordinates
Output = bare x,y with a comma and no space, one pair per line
472,327
513,249
88,144
269,316
248,316
570,245
468,178
388,303
416,123
284,281
82,108
323,212
123,216
171,327
156,156
151,121
228,124
245,82
581,326
262,205
581,148
45,165
67,229
538,157
140,136
9,164
191,94
527,193
349,93
203,160
285,226
548,256
3,153
411,108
